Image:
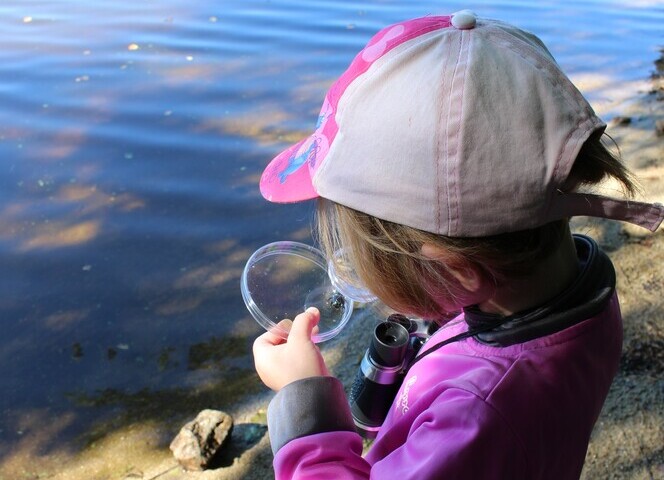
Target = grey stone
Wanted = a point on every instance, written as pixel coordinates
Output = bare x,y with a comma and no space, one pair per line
201,439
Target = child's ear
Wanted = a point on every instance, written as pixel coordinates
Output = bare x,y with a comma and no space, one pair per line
469,275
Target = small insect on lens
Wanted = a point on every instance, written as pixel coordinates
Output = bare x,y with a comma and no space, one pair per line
337,301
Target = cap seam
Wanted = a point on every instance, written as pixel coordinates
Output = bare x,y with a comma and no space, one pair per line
453,219
446,148
442,149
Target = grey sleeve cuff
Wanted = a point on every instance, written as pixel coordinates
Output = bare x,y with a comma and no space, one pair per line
308,406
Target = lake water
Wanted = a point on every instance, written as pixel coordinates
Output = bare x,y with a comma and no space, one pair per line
132,138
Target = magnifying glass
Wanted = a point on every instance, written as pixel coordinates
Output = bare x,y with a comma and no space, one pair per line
282,279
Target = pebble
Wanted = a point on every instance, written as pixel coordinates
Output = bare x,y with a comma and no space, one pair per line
201,439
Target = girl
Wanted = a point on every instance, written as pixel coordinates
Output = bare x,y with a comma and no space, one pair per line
447,160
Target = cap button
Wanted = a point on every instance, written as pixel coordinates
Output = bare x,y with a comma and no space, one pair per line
464,20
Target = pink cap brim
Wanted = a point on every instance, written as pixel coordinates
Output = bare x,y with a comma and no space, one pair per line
287,178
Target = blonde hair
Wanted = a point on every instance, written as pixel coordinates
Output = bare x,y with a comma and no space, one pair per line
388,260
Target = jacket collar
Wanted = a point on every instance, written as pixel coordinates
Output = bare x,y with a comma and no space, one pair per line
584,298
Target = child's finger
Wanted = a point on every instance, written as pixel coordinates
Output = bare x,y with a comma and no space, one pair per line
285,325
304,324
268,339
275,337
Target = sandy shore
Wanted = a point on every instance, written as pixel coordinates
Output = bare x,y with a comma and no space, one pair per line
628,440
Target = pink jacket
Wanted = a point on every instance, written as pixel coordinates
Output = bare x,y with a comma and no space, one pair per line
467,411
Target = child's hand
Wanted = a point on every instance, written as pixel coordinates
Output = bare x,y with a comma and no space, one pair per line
280,362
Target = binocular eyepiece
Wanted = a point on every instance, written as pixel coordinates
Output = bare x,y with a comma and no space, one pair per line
394,344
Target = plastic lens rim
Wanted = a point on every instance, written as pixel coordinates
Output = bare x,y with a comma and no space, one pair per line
301,250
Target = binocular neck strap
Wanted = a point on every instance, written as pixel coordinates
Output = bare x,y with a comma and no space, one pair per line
456,338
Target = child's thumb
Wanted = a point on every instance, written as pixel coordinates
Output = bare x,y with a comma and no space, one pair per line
304,324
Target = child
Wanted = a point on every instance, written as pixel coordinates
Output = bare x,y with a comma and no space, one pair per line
447,160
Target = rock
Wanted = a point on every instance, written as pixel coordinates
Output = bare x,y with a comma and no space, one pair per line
201,439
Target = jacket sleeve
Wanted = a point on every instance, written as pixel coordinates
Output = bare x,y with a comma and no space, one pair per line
312,432
458,435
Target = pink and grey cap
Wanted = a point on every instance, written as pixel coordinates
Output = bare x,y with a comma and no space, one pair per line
456,125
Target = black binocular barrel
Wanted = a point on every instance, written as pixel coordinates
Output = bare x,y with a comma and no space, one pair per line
379,377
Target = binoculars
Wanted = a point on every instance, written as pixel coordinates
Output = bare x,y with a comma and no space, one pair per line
394,344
